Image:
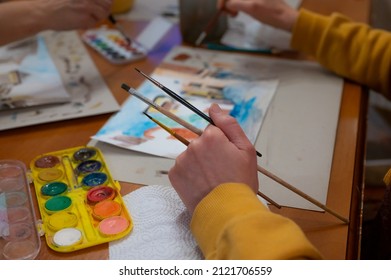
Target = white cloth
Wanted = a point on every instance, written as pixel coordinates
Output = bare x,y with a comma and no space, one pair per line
160,227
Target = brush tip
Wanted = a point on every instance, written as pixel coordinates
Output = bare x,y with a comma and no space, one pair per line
142,73
147,115
112,19
125,87
200,38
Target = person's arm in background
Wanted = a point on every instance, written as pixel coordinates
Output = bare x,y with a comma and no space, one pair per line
21,19
350,49
216,178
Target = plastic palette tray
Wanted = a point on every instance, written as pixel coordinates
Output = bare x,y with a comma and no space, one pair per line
19,237
79,202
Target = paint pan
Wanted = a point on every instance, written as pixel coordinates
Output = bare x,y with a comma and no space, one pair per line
106,208
89,166
84,154
101,193
50,174
67,237
54,188
58,203
113,225
47,161
62,219
94,179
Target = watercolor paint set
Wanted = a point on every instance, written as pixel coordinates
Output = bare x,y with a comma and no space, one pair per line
112,44
79,202
19,237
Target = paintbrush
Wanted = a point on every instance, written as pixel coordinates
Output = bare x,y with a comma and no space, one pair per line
162,110
209,26
181,100
120,28
186,142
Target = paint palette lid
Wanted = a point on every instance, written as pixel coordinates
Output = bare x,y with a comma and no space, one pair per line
19,237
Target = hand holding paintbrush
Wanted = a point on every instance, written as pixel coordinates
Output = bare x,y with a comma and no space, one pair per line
180,121
186,142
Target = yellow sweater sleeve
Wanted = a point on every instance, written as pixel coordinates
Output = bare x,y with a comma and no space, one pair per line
231,223
350,49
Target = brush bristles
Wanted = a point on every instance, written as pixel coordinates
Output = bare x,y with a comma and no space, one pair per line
125,87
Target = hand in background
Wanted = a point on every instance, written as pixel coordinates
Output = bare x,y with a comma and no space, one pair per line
25,18
74,14
221,154
276,13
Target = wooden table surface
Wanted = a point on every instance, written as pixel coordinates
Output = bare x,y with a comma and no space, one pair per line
334,239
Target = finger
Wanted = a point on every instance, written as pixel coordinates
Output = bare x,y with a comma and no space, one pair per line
230,127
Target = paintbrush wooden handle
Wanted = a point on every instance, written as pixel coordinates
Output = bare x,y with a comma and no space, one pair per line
180,121
268,199
300,193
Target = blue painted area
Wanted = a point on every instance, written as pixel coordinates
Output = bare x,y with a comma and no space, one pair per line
244,95
131,121
41,62
245,103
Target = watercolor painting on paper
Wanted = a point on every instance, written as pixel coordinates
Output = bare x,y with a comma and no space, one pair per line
202,78
28,76
52,70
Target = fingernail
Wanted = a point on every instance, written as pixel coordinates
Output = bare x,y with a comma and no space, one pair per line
215,109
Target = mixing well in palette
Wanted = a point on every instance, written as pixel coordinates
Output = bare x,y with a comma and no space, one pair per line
111,44
79,202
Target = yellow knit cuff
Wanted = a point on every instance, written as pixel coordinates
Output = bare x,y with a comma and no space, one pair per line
218,208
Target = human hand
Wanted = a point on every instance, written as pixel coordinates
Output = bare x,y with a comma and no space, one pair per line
276,13
74,14
221,154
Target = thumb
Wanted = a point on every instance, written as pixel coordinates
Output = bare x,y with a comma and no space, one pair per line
230,127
